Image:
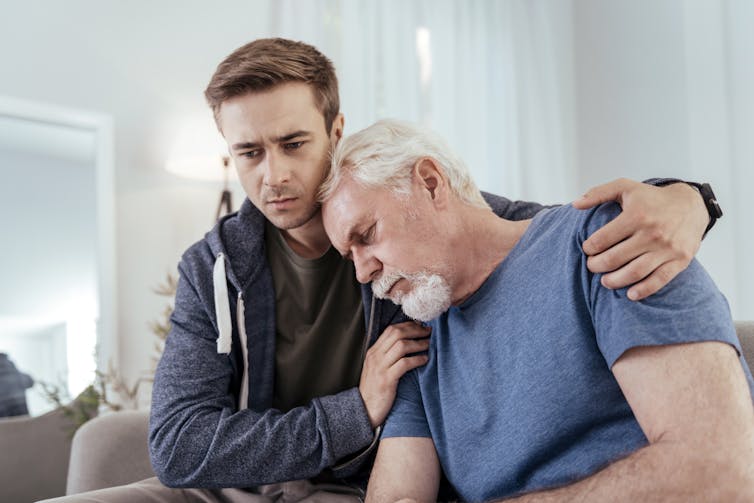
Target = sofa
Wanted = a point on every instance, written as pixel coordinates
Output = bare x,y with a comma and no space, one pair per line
111,449
35,453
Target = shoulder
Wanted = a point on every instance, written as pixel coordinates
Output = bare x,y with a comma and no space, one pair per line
239,236
567,224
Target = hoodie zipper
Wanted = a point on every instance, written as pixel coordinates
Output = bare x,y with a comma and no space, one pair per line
243,399
370,327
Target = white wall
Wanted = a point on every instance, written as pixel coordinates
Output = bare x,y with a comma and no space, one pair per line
146,64
665,89
639,109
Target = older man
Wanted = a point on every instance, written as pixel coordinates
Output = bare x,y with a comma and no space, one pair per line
541,383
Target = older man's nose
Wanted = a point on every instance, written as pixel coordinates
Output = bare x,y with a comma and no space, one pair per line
366,266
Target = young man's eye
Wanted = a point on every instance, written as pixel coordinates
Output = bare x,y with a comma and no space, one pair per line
293,145
251,154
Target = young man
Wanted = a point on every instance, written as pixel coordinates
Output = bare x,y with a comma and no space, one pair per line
541,383
266,376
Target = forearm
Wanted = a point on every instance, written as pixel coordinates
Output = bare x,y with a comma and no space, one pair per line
664,471
203,445
523,210
198,438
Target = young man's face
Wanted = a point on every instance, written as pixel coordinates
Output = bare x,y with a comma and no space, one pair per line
393,243
281,149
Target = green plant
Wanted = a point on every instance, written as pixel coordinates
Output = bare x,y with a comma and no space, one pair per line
80,410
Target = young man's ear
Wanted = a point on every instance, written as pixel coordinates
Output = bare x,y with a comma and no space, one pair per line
336,130
429,175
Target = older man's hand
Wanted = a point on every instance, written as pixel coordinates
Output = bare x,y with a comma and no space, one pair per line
653,239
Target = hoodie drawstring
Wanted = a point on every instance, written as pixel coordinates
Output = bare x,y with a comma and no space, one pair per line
222,306
225,328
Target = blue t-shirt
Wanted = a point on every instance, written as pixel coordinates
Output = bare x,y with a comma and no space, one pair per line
518,394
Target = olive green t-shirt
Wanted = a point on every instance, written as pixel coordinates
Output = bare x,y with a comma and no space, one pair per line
320,323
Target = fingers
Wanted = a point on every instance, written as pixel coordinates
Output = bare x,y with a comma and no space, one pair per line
403,347
636,270
611,191
658,279
621,255
653,239
399,331
405,364
609,235
396,342
386,362
647,273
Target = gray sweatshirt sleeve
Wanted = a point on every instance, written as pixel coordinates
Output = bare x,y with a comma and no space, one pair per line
512,210
198,438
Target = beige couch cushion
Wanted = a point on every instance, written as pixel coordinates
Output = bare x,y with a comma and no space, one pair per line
110,450
34,453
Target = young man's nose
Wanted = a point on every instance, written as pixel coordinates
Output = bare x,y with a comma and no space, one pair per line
276,171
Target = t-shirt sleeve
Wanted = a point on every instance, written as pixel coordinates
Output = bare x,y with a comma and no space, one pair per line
407,418
688,309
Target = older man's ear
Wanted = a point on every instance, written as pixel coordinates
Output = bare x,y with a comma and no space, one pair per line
430,177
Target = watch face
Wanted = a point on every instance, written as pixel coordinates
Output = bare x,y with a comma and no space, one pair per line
710,201
713,206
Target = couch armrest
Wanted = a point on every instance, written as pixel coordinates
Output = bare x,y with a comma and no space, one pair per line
745,331
110,450
34,453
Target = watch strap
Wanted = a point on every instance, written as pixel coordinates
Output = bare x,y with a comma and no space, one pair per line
710,202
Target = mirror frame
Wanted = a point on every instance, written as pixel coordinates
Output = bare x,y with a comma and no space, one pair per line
101,125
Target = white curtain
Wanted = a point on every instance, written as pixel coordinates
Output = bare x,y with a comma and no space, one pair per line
497,79
719,45
490,76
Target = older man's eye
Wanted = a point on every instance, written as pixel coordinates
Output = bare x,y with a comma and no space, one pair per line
368,236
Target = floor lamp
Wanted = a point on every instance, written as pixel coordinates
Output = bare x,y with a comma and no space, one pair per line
209,168
226,197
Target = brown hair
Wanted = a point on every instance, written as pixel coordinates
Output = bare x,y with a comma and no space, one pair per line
265,63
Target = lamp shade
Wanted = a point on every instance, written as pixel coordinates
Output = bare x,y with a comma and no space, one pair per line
207,168
199,152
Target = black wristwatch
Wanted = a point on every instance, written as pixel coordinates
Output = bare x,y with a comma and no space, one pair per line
710,201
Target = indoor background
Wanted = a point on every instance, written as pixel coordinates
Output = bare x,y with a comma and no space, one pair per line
543,99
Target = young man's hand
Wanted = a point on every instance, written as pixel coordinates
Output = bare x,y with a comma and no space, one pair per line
653,239
386,362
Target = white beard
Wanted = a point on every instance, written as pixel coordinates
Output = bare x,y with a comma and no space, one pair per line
427,299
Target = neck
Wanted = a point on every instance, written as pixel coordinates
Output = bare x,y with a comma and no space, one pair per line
308,241
482,246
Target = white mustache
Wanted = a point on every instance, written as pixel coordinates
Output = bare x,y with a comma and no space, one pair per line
384,283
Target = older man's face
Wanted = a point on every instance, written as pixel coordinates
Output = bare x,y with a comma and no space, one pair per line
394,243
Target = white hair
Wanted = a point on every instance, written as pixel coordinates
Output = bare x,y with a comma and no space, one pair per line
384,154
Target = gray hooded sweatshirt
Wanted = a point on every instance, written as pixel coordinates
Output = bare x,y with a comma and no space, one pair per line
212,424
